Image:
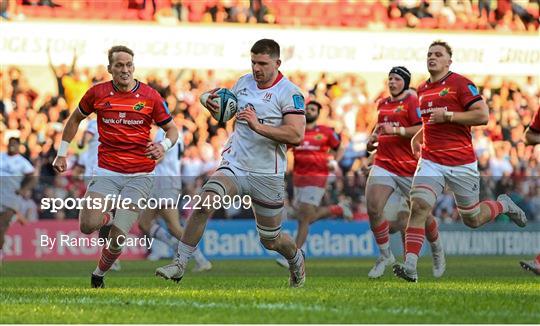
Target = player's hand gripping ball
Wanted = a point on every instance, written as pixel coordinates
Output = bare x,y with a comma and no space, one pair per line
221,103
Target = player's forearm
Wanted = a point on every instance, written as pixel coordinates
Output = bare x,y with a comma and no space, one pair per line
406,132
172,134
418,137
476,115
469,118
531,137
69,132
285,134
70,129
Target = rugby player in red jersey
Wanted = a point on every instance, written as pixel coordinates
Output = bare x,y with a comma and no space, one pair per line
532,137
449,104
312,161
125,110
390,178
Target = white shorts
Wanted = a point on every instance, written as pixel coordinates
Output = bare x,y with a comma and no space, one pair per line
309,195
462,180
381,176
170,193
132,186
267,191
397,202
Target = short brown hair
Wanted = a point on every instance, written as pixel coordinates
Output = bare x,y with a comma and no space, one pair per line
443,44
119,48
266,46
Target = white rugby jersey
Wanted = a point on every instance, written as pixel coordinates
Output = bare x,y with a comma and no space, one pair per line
12,171
246,149
89,158
167,172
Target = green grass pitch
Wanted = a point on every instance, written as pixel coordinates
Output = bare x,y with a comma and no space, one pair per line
474,290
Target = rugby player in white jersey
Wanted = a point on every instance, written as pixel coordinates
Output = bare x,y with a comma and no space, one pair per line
88,159
167,189
16,173
270,115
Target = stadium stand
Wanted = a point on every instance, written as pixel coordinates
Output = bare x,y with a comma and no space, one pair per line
500,15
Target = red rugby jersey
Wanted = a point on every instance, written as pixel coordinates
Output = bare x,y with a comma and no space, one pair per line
447,143
311,157
124,121
394,152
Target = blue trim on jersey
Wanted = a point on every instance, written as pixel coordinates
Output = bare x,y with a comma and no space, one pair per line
164,122
473,90
137,85
166,107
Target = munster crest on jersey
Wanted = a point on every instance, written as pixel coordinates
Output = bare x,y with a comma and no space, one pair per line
398,109
139,106
444,92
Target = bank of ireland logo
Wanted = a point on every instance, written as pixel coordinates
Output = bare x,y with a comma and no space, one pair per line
139,106
122,114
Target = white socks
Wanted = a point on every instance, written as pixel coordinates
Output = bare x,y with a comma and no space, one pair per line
297,259
184,253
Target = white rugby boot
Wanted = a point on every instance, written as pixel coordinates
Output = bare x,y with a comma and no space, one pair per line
380,265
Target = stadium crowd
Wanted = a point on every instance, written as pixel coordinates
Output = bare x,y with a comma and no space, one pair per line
37,117
499,15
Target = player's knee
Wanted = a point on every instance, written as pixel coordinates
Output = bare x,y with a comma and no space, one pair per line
374,211
423,196
213,187
470,222
470,219
420,207
470,216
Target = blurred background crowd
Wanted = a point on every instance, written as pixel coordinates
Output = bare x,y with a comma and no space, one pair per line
37,116
501,15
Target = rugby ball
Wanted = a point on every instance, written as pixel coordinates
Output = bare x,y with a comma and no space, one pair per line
227,104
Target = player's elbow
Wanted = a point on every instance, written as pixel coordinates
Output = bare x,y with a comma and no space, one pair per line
296,139
483,119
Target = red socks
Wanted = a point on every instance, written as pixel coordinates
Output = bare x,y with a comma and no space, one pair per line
432,231
414,238
108,258
495,208
336,210
381,232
